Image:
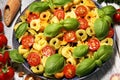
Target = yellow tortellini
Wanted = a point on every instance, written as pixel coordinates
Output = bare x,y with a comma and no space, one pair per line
81,35
37,69
35,24
107,41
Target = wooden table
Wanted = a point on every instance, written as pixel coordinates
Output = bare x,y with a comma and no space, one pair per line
105,72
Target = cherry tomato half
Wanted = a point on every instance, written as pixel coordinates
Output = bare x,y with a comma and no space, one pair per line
110,33
32,17
48,50
69,71
83,23
3,40
69,36
116,16
1,27
93,44
27,41
81,11
33,59
59,13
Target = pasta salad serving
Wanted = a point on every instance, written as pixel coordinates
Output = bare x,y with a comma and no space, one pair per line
65,38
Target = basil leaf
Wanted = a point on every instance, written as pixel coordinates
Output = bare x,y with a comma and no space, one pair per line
54,64
16,57
101,28
52,30
21,29
103,53
61,2
109,10
80,51
70,23
85,67
39,6
108,19
100,12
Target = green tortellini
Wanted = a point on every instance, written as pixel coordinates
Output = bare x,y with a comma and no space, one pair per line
80,51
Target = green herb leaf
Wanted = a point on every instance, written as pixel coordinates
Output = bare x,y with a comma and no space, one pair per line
39,6
70,23
85,67
54,64
16,57
52,29
21,29
80,51
61,2
101,28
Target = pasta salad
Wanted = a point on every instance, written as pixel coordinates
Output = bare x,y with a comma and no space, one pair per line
65,38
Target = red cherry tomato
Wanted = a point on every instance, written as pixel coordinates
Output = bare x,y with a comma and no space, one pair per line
6,57
3,40
9,75
0,15
69,36
33,59
69,71
2,75
48,50
83,23
59,13
27,41
110,33
81,11
93,44
116,16
1,27
1,59
32,17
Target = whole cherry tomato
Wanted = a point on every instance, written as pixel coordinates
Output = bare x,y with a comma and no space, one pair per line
6,57
69,36
93,44
48,50
1,59
33,59
9,74
1,27
31,17
69,71
59,13
83,23
110,33
81,11
3,40
27,41
0,15
2,75
116,16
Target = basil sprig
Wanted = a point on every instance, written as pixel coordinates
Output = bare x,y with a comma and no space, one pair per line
16,57
40,6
